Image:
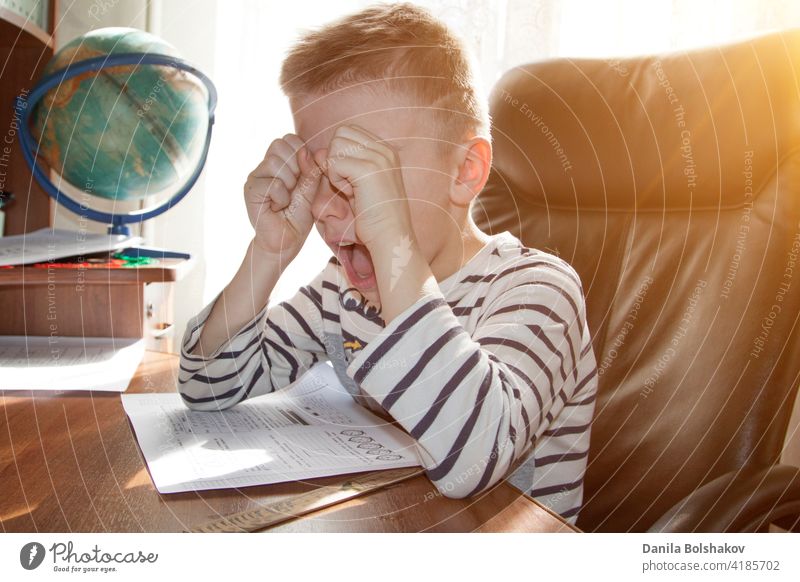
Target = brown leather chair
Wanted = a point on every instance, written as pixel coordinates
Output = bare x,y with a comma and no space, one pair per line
672,184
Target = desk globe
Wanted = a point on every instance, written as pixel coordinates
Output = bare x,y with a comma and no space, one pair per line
119,115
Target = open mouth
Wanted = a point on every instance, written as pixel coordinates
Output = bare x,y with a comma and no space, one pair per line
357,263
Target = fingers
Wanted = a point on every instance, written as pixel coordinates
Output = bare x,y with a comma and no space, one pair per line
294,141
286,149
310,175
270,191
280,161
321,158
276,167
367,140
336,166
350,160
343,147
305,162
324,163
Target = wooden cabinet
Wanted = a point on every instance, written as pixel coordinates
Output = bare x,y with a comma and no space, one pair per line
130,302
25,49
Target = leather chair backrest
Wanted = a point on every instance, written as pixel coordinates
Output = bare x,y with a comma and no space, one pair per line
672,184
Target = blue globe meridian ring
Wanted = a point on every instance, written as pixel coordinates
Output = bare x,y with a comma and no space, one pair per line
118,222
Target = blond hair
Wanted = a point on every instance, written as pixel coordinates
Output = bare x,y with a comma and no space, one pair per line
403,45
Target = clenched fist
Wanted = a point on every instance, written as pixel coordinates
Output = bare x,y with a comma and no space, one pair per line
278,195
368,172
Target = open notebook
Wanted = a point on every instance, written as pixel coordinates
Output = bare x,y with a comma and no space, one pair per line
312,428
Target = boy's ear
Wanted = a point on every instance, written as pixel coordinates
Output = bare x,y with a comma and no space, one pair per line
474,161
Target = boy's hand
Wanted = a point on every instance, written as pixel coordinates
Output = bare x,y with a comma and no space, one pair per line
367,171
278,195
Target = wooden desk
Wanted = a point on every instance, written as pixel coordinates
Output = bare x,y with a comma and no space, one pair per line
70,462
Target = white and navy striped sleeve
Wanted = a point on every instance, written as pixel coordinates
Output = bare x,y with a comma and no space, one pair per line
475,403
268,353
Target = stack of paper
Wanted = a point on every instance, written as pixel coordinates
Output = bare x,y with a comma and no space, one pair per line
47,244
68,363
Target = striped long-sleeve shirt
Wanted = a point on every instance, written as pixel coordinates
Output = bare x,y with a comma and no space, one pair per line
493,374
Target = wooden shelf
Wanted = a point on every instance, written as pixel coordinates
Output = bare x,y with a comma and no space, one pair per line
167,271
16,30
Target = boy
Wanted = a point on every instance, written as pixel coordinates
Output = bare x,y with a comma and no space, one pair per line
475,344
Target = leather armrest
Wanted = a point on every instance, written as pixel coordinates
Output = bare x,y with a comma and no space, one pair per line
746,500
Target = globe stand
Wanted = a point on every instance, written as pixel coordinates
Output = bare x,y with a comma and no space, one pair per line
154,253
118,223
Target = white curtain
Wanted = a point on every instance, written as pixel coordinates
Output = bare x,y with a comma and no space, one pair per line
251,37
505,33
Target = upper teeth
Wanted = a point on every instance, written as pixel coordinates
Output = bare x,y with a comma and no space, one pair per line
346,243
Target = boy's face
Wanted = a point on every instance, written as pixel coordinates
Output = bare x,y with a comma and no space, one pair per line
427,176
